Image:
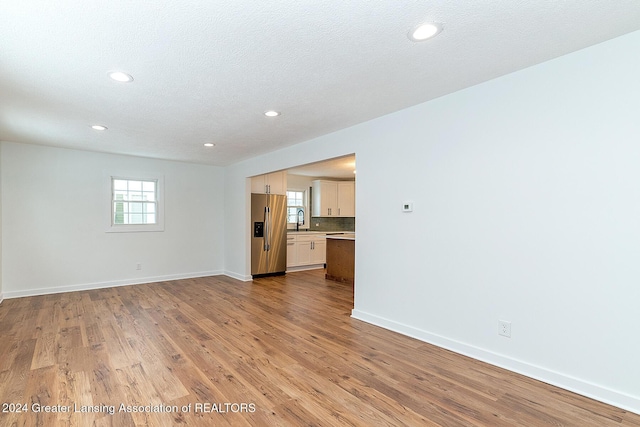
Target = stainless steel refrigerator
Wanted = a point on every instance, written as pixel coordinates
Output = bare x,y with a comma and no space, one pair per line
269,234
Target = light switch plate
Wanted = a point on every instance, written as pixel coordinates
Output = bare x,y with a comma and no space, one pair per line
407,206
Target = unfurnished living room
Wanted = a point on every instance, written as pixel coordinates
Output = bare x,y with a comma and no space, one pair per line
327,213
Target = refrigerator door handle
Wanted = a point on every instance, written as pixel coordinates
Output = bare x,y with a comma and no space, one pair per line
267,227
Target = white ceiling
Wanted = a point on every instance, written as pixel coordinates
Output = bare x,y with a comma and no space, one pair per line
339,167
205,71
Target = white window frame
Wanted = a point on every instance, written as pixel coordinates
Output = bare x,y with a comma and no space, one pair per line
135,228
305,201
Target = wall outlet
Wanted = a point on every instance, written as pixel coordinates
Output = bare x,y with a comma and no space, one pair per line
138,266
504,328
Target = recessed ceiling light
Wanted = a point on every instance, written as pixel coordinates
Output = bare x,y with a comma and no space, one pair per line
425,32
271,113
99,127
208,144
119,76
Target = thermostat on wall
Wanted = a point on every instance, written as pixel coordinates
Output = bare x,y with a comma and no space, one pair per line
407,207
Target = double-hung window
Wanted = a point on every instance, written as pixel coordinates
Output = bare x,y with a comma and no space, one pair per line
135,204
296,207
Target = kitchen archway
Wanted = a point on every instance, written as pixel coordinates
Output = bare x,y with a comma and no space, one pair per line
320,219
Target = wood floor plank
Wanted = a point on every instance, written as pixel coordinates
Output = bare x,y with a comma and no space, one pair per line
210,360
14,388
397,413
284,347
81,398
44,352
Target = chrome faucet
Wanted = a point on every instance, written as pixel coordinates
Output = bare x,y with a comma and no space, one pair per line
298,223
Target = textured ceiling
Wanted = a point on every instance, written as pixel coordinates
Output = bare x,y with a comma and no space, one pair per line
205,71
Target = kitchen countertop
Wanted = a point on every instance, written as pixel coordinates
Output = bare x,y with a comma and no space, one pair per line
346,236
337,233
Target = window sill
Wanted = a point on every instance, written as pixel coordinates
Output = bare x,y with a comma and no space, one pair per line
135,228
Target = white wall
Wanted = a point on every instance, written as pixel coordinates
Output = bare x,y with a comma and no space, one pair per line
299,182
54,235
1,294
526,194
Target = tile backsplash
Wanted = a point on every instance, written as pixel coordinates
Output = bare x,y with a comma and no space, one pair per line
332,224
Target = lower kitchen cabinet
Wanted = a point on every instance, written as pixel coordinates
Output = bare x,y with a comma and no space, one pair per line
318,251
292,255
305,251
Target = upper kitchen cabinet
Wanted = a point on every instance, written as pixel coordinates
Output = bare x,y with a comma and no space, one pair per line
325,198
334,198
271,183
347,198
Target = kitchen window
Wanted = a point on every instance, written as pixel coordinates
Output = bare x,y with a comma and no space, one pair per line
296,206
136,204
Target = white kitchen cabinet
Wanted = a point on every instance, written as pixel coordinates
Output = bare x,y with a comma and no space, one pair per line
346,198
271,183
318,251
292,255
306,251
334,198
325,198
303,250
258,184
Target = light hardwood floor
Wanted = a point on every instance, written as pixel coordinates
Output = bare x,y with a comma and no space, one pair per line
284,346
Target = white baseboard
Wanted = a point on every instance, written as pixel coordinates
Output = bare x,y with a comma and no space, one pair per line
576,385
238,276
1,297
110,284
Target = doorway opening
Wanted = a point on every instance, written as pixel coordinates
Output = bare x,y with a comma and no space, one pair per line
319,218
